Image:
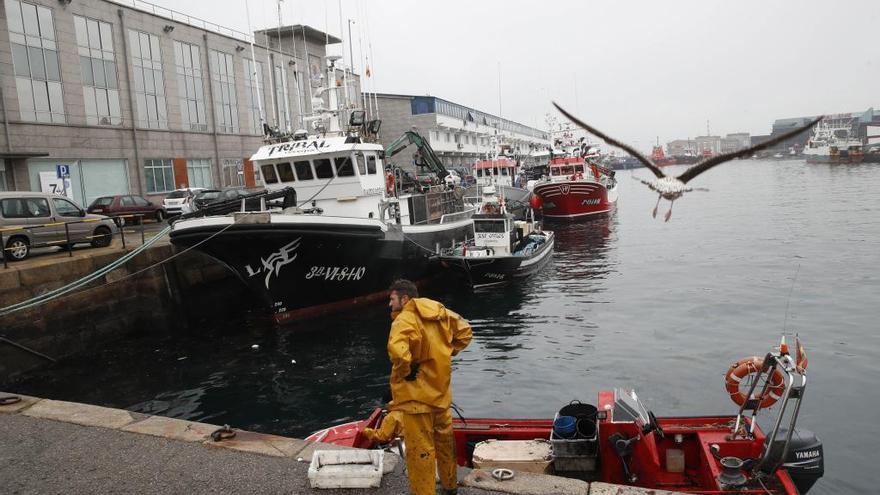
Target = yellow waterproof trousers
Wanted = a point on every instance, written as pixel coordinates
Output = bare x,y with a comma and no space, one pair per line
430,448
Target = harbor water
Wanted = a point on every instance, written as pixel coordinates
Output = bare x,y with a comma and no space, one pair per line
627,301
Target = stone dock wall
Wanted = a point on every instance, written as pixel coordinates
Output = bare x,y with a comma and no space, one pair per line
109,308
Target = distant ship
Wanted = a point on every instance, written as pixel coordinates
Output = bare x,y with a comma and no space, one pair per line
833,141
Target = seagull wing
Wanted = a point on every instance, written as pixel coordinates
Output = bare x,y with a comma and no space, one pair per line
613,142
708,163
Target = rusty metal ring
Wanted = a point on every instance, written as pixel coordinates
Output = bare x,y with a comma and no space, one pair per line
502,474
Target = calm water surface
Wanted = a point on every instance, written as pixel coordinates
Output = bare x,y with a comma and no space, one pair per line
627,301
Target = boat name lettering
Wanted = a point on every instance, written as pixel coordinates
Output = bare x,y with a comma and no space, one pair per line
273,263
299,146
373,191
490,235
337,273
593,201
807,454
496,276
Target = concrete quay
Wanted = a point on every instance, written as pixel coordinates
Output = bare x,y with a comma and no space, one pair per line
49,446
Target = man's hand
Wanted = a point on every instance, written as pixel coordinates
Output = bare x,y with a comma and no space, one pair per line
414,372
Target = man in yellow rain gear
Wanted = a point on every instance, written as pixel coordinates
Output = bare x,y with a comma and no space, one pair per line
424,336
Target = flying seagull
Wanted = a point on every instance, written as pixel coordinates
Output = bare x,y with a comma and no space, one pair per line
672,188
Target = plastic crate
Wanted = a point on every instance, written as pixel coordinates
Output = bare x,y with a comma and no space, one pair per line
346,469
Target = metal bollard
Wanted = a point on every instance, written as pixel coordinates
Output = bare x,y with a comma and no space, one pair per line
141,221
121,232
67,238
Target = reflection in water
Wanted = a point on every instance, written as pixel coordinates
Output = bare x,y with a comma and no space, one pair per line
625,302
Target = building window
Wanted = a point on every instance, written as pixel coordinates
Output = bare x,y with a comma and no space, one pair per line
447,137
198,173
232,172
35,60
160,175
94,40
223,81
149,85
3,186
252,77
188,66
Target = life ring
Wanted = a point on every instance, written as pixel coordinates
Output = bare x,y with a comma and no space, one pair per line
389,182
746,367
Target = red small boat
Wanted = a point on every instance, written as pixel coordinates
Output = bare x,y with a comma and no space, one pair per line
627,445
576,187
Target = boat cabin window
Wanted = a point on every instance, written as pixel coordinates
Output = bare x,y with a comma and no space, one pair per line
482,226
269,175
495,171
566,170
323,168
479,172
371,164
303,170
579,168
362,166
504,171
344,167
285,172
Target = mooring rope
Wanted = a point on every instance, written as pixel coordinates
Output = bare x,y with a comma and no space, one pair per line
53,294
63,291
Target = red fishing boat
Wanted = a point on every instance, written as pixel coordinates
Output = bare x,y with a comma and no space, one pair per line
575,187
619,441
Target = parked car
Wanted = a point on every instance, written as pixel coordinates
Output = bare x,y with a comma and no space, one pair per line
32,210
127,205
173,203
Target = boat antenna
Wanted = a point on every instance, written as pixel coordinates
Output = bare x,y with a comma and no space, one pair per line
296,78
283,73
256,72
344,113
787,303
373,60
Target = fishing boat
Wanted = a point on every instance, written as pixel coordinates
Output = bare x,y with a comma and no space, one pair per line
503,248
834,141
620,441
346,229
576,186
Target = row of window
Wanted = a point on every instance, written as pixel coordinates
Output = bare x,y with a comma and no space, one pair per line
322,168
459,138
38,76
160,174
470,115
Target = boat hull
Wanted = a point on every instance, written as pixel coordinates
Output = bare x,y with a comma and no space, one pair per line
484,271
575,199
305,266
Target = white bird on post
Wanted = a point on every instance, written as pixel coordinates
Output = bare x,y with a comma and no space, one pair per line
672,188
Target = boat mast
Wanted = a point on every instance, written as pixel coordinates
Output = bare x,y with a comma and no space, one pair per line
256,72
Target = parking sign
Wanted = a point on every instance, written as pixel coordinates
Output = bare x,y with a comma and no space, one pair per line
62,171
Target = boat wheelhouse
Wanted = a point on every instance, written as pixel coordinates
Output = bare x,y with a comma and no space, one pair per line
500,171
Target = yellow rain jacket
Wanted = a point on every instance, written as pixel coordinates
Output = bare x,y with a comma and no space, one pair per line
427,333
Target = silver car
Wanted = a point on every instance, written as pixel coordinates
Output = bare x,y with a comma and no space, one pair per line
34,219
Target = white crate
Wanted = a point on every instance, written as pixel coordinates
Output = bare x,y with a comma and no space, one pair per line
355,468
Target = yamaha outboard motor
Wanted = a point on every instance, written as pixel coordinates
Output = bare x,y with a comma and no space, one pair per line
805,461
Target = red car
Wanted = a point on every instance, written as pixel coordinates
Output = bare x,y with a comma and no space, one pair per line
127,205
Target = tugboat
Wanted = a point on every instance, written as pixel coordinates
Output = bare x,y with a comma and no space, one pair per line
347,228
503,248
619,441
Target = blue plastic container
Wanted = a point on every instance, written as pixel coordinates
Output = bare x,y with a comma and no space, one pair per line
565,426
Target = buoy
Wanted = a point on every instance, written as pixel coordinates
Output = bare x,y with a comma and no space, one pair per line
535,201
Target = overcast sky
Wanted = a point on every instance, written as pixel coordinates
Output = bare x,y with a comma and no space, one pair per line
635,69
